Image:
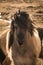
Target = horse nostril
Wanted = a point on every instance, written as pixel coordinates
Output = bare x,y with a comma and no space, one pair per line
20,38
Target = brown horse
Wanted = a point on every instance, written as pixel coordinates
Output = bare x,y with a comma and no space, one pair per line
40,31
23,44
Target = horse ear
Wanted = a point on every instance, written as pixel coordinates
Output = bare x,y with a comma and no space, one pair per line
11,39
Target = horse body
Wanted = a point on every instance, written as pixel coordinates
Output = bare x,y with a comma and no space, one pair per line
23,42
40,31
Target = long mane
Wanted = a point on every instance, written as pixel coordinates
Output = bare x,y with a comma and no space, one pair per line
23,20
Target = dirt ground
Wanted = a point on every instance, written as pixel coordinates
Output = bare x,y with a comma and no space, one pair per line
7,10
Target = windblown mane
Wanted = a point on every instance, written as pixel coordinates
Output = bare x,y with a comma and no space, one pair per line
23,20
23,42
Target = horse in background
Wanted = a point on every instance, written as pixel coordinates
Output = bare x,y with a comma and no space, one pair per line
23,44
40,31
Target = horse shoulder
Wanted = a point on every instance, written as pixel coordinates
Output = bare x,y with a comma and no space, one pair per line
37,42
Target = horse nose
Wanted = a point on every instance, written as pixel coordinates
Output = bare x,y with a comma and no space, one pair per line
21,38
